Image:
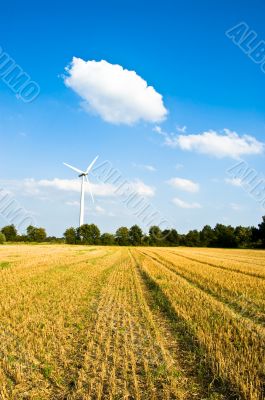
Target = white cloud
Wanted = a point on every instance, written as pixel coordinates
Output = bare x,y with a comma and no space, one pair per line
218,144
116,94
234,181
38,187
184,184
160,131
142,189
72,185
183,204
98,210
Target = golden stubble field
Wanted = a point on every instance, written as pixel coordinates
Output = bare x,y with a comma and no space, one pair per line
82,322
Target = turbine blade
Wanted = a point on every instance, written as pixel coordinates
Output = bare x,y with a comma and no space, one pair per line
91,165
74,168
89,188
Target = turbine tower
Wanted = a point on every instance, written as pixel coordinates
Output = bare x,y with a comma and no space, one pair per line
83,175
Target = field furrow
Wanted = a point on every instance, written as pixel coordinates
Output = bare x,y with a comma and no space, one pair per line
235,352
40,323
245,296
235,266
126,356
92,322
249,260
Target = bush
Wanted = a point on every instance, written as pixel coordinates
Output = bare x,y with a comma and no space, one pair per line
2,238
10,233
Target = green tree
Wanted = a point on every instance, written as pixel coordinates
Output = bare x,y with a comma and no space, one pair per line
122,236
243,236
2,238
262,231
135,235
70,236
255,237
35,234
31,233
182,240
224,236
193,238
155,236
170,237
10,233
146,240
89,234
21,238
207,236
107,239
40,235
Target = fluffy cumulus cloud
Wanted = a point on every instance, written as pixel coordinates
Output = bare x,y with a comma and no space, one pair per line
183,204
217,144
142,189
114,93
70,185
184,184
35,187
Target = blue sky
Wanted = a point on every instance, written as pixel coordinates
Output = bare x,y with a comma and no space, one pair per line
204,81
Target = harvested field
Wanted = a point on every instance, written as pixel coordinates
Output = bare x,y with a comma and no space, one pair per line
131,323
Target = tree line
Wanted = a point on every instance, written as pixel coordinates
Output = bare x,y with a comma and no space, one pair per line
9,233
224,236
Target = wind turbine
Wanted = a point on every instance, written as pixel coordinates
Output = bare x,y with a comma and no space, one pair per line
83,175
